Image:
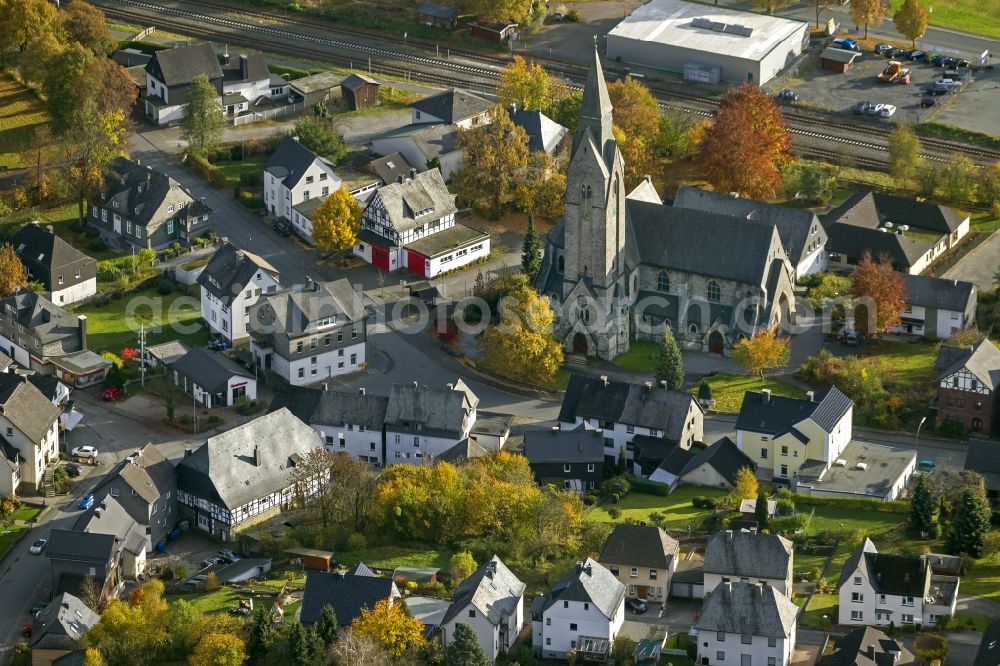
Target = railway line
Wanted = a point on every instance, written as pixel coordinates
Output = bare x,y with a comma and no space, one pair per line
465,69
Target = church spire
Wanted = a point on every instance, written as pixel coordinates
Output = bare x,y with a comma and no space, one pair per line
595,110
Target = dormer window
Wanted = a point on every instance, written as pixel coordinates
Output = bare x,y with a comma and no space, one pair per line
139,189
326,321
114,203
170,209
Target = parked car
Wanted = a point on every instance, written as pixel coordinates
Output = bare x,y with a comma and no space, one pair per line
37,547
38,608
874,109
861,107
962,62
946,62
926,465
637,606
894,53
788,94
87,501
227,554
951,83
84,452
73,470
848,44
916,54
113,393
881,48
887,110
926,101
282,227
210,561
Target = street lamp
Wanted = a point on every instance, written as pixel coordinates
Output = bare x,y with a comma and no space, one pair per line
916,441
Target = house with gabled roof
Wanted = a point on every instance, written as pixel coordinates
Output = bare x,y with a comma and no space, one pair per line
34,331
491,603
423,421
544,134
292,175
733,556
452,107
967,386
347,592
569,459
746,622
642,557
58,629
29,435
212,379
231,282
865,646
245,475
582,613
714,466
67,274
936,307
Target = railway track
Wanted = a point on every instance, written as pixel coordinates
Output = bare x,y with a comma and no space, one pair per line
468,70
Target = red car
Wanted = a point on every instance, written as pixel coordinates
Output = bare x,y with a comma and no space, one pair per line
26,630
113,393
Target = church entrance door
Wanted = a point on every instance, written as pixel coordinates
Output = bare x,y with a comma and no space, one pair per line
580,344
715,343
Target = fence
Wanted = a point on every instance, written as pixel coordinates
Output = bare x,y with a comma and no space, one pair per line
144,34
255,116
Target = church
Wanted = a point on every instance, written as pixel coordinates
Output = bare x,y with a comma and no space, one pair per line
620,266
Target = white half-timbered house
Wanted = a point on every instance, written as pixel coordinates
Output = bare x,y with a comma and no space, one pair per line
245,475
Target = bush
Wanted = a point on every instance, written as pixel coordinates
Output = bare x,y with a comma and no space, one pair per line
245,406
357,541
236,153
704,390
201,166
165,286
785,507
213,421
180,571
108,272
166,573
96,245
589,500
860,505
618,485
991,545
650,487
615,513
698,501
212,582
572,16
252,178
790,523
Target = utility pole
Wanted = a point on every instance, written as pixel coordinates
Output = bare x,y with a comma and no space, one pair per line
142,355
194,406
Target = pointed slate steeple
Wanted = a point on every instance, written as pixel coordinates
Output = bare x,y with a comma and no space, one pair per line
595,110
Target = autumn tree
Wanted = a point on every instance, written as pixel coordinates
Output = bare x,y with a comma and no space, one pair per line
86,24
93,657
541,187
971,523
336,222
531,254
23,20
881,292
358,650
391,626
90,593
904,154
523,84
745,484
464,648
496,157
820,5
747,145
498,11
636,116
959,178
868,12
911,20
461,566
219,650
319,136
131,632
63,77
763,351
669,366
203,121
989,186
12,273
566,110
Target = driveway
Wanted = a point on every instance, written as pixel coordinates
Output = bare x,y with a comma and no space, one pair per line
979,265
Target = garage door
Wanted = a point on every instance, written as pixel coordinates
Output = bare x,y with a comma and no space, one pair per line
380,258
415,263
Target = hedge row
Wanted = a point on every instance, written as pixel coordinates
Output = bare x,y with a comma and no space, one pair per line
897,506
650,487
200,166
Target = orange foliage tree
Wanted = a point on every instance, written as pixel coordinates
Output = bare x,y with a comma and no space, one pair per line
763,351
882,288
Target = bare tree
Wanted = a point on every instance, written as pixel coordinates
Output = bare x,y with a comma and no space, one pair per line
354,650
90,593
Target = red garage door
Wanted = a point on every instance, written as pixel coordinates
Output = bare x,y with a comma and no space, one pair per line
415,262
380,258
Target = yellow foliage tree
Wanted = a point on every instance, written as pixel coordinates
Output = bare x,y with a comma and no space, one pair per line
763,351
745,485
496,157
336,222
521,346
391,627
636,127
92,657
131,632
524,84
868,12
12,273
911,20
218,649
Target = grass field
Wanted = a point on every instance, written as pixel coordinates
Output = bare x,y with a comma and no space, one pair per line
909,362
390,557
20,113
979,17
640,357
676,508
234,169
116,325
728,390
9,536
820,605
27,512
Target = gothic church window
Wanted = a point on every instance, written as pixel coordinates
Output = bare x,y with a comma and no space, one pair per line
714,293
663,281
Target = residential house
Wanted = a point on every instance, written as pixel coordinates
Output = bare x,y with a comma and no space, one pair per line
913,234
169,76
880,588
989,646
359,92
746,623
140,207
309,333
437,16
358,184
863,470
582,612
80,369
642,557
714,467
53,389
569,459
491,430
145,485
865,646
467,449
733,557
108,516
294,174
212,379
981,457
232,281
491,603
460,108
425,421
802,235
245,475
411,224
59,628
622,410
780,434
937,308
29,435
34,331
346,592
67,274
544,134
247,83
967,382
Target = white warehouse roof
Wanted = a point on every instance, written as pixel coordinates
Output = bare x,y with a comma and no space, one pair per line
674,23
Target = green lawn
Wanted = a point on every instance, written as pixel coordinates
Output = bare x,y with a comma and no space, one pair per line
116,325
641,357
728,390
982,578
979,17
63,220
908,362
676,508
21,113
839,519
211,602
234,169
7,540
391,557
27,512
820,605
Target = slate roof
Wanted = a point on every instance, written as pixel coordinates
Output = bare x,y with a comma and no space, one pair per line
291,160
147,471
256,68
46,320
437,410
777,415
886,573
989,646
559,446
390,167
852,649
623,402
298,310
333,408
168,352
108,516
416,200
453,106
588,581
143,194
983,361
230,270
837,54
983,456
348,594
438,11
873,209
360,569
748,555
747,608
80,546
464,450
30,410
724,456
932,292
208,369
644,546
853,241
492,589
795,225
179,65
431,139
62,624
42,252
222,470
47,385
544,134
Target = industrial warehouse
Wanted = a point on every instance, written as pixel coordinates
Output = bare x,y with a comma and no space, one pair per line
707,43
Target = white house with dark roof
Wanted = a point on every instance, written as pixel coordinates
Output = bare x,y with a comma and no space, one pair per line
544,134
232,281
582,612
411,224
67,274
246,82
936,307
452,107
623,410
714,466
425,146
29,434
242,476
642,557
212,379
424,421
346,592
294,174
760,559
491,603
746,623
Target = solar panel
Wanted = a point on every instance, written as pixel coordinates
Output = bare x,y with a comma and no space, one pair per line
701,23
718,27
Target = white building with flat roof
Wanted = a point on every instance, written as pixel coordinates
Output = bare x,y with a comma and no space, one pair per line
707,43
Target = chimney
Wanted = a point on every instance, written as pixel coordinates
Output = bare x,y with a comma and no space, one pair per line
451,387
604,380
413,173
49,228
326,386
648,178
309,283
361,391
82,320
767,395
399,178
256,456
187,451
244,67
341,574
871,652
415,384
811,395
